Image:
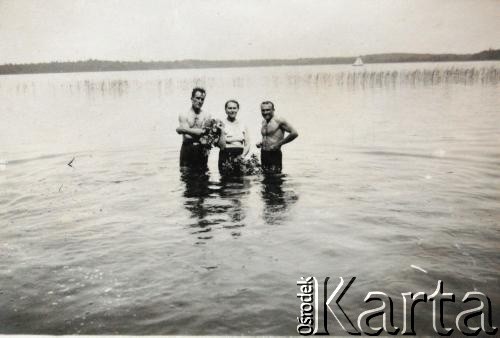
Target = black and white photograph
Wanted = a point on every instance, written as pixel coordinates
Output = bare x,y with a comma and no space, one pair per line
250,167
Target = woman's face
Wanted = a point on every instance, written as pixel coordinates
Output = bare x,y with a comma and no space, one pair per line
231,111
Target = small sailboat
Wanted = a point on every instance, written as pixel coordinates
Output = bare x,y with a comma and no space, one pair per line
358,62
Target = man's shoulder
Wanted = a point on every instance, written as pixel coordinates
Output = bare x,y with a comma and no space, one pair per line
206,114
186,113
279,119
190,113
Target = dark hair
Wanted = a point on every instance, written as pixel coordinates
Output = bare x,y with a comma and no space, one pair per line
267,102
198,89
234,101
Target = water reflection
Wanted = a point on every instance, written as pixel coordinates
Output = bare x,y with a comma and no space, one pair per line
370,76
392,78
214,205
278,196
234,189
196,183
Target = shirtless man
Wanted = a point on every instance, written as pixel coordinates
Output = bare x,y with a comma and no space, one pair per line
273,137
191,127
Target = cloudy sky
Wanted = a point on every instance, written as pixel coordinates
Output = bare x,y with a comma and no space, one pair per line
68,30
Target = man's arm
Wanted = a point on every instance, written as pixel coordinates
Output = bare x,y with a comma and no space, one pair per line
292,134
185,129
246,144
259,144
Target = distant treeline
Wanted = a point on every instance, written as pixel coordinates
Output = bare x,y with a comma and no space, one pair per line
102,66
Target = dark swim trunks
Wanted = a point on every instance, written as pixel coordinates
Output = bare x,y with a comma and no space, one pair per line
271,161
193,156
227,165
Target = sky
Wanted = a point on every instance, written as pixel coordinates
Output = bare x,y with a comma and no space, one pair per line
132,30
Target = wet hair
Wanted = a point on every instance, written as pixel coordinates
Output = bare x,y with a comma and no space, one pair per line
267,102
234,101
198,89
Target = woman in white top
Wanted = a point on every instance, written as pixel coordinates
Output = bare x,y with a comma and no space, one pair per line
237,141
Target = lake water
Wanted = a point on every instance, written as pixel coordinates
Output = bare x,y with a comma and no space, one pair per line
396,170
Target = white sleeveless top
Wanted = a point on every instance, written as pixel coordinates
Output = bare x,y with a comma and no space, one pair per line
236,132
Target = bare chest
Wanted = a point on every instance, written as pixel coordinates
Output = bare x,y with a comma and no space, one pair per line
271,128
196,120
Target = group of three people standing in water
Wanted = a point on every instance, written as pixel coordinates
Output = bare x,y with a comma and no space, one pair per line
234,141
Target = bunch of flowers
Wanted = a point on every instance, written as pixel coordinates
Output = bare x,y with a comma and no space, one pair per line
212,130
245,166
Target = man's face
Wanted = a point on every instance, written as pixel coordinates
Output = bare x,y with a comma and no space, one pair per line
267,111
198,100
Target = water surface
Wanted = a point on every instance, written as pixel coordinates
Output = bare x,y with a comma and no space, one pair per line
396,165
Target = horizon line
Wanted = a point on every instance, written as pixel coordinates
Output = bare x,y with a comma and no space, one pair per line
251,60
